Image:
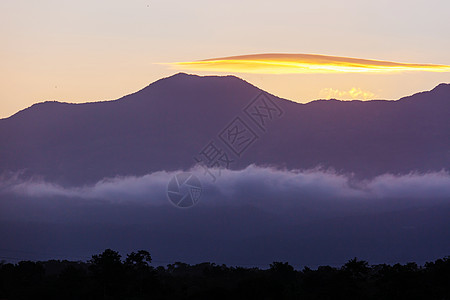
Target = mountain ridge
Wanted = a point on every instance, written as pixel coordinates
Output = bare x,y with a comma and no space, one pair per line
166,124
439,87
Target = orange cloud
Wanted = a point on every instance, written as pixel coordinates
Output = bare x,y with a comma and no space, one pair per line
302,63
353,93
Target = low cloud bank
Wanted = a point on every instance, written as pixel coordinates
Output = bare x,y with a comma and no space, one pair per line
252,216
259,186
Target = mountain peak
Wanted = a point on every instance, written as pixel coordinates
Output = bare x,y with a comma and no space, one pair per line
183,82
186,76
439,94
442,87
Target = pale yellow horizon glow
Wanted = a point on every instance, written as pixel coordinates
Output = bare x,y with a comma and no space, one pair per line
281,63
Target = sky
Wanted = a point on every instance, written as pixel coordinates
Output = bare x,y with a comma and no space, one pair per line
79,51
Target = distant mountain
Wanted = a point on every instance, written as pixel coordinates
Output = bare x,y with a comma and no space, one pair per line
166,125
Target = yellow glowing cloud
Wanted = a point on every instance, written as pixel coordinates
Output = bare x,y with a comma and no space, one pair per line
353,93
302,63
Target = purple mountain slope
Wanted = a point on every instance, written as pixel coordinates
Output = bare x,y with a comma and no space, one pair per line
253,216
166,124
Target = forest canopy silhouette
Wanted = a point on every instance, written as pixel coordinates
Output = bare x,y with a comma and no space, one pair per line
108,275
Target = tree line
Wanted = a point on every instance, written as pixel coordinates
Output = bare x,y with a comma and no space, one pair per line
109,276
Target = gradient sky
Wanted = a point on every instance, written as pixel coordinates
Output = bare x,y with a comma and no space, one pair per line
78,51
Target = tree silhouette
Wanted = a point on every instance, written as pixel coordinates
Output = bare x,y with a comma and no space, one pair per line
138,260
139,273
106,276
107,270
356,269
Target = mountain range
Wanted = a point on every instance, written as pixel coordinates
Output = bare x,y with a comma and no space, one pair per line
256,215
168,124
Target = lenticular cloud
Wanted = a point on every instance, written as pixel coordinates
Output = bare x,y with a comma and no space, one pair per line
284,63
